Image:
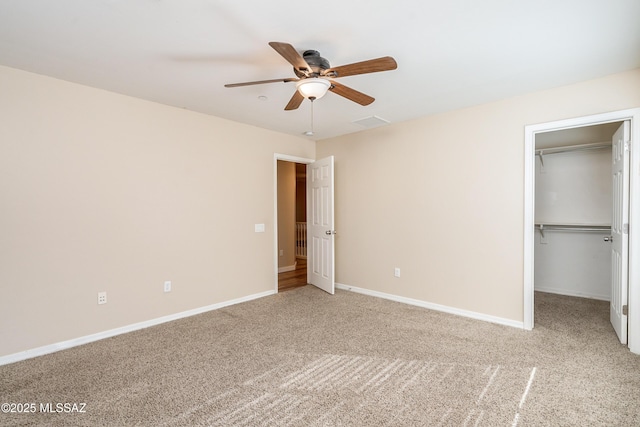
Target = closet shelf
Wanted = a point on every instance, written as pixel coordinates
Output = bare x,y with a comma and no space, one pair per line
572,227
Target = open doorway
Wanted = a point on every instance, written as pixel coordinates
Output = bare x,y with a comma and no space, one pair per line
292,225
540,137
320,231
573,211
287,170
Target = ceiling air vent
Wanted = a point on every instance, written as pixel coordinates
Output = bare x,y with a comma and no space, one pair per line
371,122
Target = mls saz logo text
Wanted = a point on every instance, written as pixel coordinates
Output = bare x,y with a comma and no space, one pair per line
66,408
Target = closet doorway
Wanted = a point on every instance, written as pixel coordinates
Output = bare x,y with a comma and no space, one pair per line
573,209
569,212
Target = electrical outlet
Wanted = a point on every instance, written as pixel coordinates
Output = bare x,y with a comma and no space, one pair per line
396,272
167,286
102,297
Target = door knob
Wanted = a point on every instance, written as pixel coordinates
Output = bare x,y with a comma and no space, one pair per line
330,232
608,238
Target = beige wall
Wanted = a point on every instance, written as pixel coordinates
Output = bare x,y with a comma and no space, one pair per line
102,192
286,213
442,197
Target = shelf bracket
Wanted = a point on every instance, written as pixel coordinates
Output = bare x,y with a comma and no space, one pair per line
541,154
543,239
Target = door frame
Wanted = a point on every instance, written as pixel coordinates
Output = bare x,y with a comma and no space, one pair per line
633,115
285,158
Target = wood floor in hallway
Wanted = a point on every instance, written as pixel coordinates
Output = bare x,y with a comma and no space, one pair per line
293,279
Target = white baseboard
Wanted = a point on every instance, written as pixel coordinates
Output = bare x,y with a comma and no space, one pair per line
51,348
288,268
570,293
436,307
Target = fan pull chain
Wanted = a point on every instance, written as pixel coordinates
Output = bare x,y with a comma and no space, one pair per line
312,117
310,132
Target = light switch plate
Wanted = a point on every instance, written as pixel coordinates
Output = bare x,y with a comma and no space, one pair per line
259,228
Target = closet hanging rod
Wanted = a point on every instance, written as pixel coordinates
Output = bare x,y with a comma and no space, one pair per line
581,147
567,227
551,227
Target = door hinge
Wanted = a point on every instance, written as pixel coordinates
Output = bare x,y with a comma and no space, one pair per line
625,310
625,228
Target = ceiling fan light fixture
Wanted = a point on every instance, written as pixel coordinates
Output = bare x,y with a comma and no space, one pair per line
313,88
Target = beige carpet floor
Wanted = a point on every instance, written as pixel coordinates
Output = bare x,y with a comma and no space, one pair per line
306,358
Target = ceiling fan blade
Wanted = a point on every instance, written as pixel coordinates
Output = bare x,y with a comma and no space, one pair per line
295,101
259,82
386,63
289,53
351,94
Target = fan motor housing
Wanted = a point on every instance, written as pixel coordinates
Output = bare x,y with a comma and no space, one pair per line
315,61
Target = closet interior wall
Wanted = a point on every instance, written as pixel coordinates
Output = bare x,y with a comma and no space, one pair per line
573,190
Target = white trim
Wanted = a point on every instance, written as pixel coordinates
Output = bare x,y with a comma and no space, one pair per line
632,115
573,293
288,268
286,158
294,159
634,237
529,225
52,348
432,306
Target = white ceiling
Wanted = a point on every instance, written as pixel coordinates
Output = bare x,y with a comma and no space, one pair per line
450,54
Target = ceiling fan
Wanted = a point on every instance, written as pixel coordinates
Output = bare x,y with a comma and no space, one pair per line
315,74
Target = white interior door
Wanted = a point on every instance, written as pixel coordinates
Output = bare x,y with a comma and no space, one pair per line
620,231
320,226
